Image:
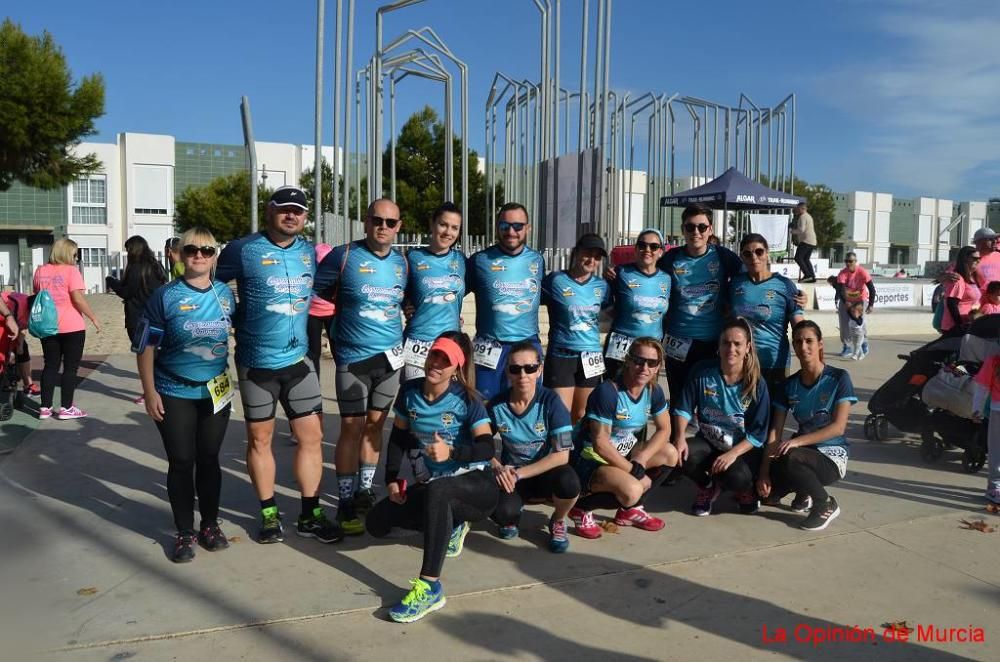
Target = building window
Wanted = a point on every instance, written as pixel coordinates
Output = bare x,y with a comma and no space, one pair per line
155,212
92,257
90,201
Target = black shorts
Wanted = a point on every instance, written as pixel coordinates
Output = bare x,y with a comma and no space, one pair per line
567,371
296,387
367,385
22,355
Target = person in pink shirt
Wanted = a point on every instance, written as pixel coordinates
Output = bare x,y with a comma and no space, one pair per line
62,278
854,284
987,385
961,295
990,303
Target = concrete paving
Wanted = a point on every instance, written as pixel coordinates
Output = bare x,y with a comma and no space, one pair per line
87,533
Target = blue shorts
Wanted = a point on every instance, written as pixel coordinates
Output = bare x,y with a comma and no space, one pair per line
491,381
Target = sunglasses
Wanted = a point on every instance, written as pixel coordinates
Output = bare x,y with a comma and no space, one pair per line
378,221
759,252
640,361
701,228
190,250
529,368
650,246
504,226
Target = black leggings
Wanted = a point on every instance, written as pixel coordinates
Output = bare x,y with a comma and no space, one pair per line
559,482
65,349
192,436
435,508
314,331
677,371
803,470
739,477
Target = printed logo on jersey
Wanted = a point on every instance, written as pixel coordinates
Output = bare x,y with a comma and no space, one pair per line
713,268
745,402
622,414
306,260
412,413
568,292
598,293
268,260
423,266
448,418
453,265
399,272
503,428
770,295
540,428
680,270
739,291
709,391
498,266
366,268
185,305
663,288
533,268
632,284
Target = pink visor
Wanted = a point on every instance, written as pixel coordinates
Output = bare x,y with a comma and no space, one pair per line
449,348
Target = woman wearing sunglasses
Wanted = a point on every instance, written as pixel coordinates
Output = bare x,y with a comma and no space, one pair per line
641,295
616,469
442,426
536,438
574,364
767,301
183,350
731,404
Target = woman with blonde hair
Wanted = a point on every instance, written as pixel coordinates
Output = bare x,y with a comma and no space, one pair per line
62,279
732,405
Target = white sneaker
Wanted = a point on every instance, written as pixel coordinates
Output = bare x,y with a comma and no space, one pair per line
71,413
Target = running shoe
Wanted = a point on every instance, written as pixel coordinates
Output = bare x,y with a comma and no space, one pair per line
457,541
846,352
364,501
583,521
748,502
44,412
271,530
141,400
821,516
993,494
773,499
639,518
420,601
184,548
211,537
508,532
348,518
70,413
801,503
319,527
558,540
34,389
704,499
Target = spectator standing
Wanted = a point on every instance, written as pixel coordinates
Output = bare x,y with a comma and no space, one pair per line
804,237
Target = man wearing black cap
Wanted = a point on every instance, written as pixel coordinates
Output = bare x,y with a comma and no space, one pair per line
274,272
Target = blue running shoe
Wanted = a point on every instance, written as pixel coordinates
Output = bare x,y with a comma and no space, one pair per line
844,353
508,532
420,601
558,540
457,540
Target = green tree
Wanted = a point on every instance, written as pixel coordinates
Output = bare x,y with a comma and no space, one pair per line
221,206
42,114
307,183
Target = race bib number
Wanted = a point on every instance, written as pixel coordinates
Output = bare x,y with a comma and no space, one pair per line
625,443
676,348
221,390
395,356
487,352
618,345
415,352
593,364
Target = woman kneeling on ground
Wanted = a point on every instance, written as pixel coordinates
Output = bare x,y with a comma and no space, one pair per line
614,469
730,400
820,398
537,437
442,425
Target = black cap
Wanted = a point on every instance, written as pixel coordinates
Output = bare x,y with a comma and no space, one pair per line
593,241
289,195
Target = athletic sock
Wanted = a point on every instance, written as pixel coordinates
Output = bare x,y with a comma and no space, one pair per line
345,487
268,503
367,476
309,505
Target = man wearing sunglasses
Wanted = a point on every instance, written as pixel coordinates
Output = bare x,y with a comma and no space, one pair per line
274,272
367,280
506,279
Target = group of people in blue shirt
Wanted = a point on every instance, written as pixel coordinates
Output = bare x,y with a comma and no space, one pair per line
584,426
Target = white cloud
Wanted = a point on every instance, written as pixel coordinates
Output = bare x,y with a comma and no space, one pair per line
375,314
508,308
202,352
579,326
282,308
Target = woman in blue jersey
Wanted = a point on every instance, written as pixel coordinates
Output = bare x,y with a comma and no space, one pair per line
574,364
731,404
820,398
442,426
434,290
536,437
641,295
767,301
183,345
615,467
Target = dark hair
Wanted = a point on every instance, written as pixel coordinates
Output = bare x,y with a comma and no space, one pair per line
696,209
525,346
445,208
142,260
809,325
511,206
851,254
753,238
466,375
961,267
993,287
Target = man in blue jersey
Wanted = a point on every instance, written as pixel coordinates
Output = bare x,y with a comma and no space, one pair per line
274,271
506,279
367,280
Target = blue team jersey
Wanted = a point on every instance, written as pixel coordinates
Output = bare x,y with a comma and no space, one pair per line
769,306
453,416
574,311
640,301
725,417
813,406
195,345
611,405
542,428
369,290
436,287
275,288
508,293
699,286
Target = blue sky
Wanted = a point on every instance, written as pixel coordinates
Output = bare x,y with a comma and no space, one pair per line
901,96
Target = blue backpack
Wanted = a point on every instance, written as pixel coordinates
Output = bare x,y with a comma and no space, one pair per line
43,320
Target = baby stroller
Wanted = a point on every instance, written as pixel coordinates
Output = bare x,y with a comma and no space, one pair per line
932,395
